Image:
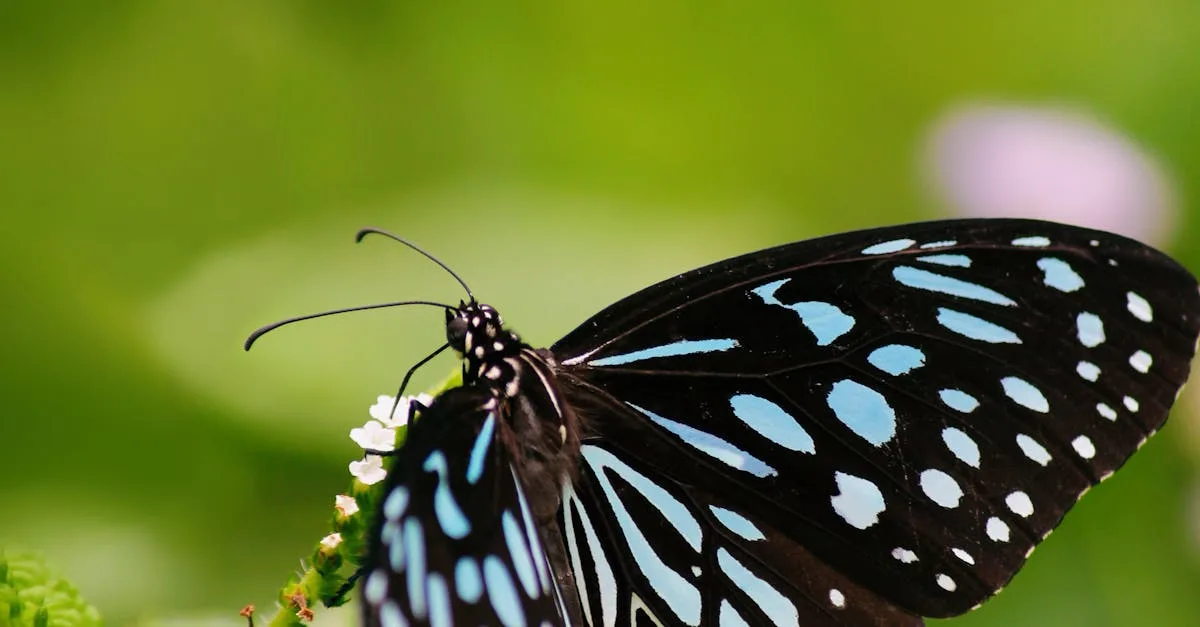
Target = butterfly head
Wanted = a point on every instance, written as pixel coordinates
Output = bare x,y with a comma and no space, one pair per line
476,332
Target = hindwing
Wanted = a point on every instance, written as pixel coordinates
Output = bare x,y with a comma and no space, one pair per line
455,541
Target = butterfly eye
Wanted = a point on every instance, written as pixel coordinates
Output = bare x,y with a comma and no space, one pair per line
456,333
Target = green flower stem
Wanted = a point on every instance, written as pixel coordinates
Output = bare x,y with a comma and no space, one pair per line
329,568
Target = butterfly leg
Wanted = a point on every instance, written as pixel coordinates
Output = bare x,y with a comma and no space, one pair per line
408,375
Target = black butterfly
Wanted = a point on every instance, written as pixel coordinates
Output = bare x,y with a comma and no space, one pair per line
855,430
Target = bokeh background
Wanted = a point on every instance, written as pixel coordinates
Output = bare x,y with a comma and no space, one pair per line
173,175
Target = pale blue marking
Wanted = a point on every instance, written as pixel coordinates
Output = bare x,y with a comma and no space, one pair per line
1139,307
468,582
958,400
535,539
942,284
1033,450
1035,241
375,588
390,615
940,244
390,532
680,595
729,617
858,501
1059,275
893,246
1025,394
479,450
414,540
896,359
772,602
825,321
863,410
737,523
1090,328
961,444
772,422
449,514
974,328
502,592
957,261
606,583
1088,370
712,446
439,602
1106,411
941,488
682,347
519,549
396,551
397,501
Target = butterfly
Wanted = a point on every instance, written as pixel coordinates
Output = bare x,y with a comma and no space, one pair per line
856,430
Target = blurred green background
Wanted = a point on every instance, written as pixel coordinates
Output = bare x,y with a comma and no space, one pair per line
173,175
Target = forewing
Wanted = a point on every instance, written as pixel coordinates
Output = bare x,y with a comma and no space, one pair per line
454,542
917,406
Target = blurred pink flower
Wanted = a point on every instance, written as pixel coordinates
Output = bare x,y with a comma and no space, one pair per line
1050,164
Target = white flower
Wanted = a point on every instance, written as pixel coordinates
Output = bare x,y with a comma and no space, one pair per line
331,541
383,406
368,470
345,505
373,436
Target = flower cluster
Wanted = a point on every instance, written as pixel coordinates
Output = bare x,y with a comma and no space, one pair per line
378,435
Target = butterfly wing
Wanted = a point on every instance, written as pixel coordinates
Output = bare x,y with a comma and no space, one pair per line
454,542
902,413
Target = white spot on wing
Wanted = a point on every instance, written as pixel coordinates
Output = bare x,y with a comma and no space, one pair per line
997,529
1083,445
1033,450
905,556
1139,307
1141,361
1088,370
941,488
1020,504
859,502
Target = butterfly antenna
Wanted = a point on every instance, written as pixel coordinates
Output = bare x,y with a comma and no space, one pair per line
275,325
358,237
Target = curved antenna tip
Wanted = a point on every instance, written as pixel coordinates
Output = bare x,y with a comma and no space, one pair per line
365,231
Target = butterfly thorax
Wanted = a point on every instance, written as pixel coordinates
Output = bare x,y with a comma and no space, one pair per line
542,432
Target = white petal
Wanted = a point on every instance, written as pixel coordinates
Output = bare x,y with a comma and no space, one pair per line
345,505
373,436
369,470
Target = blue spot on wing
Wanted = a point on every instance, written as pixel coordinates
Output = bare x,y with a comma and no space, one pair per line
863,410
942,284
1059,275
959,400
957,261
480,448
682,347
737,523
712,446
975,328
772,422
824,320
896,359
